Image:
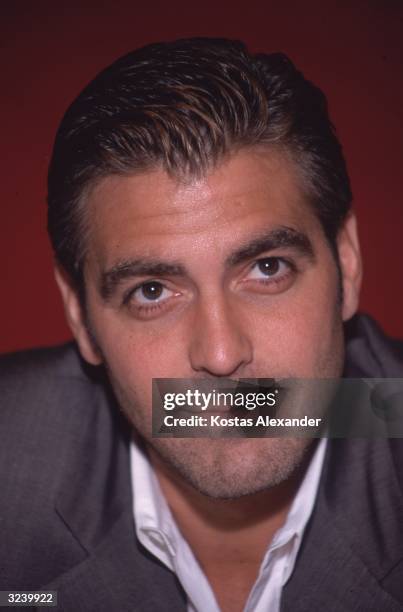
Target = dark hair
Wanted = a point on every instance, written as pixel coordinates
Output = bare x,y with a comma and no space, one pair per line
184,105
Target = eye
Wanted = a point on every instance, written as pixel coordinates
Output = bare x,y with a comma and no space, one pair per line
150,299
269,267
270,275
151,292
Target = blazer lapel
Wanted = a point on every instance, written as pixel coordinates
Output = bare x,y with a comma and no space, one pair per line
330,576
352,546
119,575
113,570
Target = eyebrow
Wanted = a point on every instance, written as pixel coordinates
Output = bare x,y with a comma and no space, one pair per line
138,267
282,237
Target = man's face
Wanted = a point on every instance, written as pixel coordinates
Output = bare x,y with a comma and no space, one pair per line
229,275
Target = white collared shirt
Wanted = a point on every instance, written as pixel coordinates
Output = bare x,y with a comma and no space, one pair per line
157,531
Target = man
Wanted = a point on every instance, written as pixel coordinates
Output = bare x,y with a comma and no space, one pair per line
199,211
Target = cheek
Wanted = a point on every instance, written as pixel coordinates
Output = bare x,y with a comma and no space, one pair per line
136,353
135,356
131,367
316,345
303,335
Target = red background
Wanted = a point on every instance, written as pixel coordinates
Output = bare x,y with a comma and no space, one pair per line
50,50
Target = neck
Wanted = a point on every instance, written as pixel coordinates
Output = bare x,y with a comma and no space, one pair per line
209,524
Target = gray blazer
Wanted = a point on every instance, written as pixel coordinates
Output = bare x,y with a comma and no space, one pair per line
66,520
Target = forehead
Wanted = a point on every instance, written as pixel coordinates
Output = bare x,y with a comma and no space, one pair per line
152,210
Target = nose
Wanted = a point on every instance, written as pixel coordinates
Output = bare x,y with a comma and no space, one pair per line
219,345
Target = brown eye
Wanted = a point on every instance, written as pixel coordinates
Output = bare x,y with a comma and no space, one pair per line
151,291
151,299
272,273
269,266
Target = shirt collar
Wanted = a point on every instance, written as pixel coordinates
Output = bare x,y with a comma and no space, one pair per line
155,527
301,508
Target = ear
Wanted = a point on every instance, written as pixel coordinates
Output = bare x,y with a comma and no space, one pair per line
351,266
76,317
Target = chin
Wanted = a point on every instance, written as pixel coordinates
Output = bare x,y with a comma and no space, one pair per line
232,468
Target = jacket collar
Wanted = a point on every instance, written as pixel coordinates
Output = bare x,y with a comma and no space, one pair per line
352,554
113,571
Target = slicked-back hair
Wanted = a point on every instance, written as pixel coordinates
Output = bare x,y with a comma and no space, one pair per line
184,106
